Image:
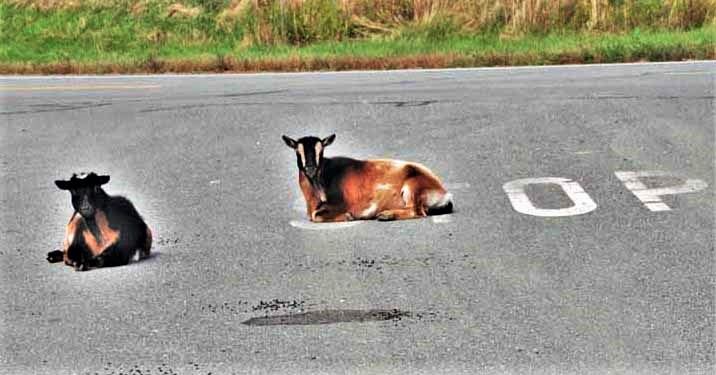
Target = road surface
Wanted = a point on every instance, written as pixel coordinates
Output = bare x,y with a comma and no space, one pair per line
582,242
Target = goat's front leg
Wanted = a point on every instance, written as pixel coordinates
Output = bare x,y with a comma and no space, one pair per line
400,214
77,255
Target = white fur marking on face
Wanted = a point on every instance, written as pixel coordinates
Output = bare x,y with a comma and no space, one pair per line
319,148
300,151
370,211
383,187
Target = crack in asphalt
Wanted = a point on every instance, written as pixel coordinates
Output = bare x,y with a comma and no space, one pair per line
240,94
413,103
658,97
56,108
397,104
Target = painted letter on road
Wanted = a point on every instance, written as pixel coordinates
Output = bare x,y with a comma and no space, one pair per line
582,203
652,197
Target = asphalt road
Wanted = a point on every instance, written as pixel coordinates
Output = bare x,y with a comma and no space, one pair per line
620,289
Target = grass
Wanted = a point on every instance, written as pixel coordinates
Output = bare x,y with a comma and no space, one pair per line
123,36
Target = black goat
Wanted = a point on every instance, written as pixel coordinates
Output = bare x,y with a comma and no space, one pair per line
104,230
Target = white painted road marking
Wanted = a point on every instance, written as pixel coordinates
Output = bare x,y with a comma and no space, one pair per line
442,219
652,197
456,185
304,224
521,202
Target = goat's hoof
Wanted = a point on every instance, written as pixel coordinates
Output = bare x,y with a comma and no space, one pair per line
385,216
55,256
80,267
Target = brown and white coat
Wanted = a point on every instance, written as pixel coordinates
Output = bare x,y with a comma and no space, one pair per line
342,189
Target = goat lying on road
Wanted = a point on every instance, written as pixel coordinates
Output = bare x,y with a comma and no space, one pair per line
104,230
343,189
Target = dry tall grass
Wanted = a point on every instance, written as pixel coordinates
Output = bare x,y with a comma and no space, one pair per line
303,21
526,15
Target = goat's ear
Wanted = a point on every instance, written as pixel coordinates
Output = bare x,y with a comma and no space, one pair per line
63,185
101,180
289,142
328,140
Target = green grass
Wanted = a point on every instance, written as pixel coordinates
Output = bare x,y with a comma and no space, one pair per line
29,35
648,45
114,40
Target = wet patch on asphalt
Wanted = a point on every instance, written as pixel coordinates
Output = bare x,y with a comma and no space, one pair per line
332,316
328,317
300,312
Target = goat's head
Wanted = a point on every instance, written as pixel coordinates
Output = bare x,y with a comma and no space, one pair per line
87,196
309,156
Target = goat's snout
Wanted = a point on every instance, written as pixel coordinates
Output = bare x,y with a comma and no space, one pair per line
85,206
311,172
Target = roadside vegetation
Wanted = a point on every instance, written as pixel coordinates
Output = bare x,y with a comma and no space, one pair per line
133,36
